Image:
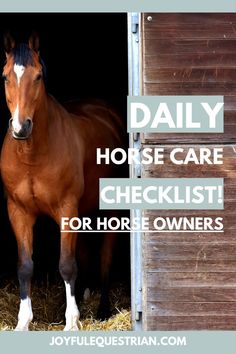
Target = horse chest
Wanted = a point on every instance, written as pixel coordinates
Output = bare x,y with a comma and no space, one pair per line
34,192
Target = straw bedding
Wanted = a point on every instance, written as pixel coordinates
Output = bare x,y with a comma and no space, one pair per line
49,308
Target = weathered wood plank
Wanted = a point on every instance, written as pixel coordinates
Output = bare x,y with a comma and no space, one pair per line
201,19
155,264
170,169
229,117
191,295
175,323
209,170
202,138
186,88
229,164
210,308
197,279
156,30
183,172
189,60
216,47
229,236
188,74
188,251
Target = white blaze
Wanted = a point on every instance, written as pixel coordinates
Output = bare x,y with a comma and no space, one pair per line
72,312
25,315
15,122
19,70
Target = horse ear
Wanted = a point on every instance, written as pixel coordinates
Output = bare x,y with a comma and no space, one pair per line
34,42
9,43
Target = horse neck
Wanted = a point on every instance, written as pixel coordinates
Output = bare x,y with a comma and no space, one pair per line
46,119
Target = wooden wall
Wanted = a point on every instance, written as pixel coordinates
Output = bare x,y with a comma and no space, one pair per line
190,278
191,54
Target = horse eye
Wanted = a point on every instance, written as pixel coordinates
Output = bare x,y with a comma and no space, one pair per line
38,77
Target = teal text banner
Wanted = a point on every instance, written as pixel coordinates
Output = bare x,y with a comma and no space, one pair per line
119,6
183,342
180,114
162,193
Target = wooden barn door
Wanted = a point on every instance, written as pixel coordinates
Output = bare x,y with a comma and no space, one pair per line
189,279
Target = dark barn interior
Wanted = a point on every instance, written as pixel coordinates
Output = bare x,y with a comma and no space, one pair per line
86,57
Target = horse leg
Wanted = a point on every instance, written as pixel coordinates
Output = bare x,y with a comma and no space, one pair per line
68,271
22,224
83,259
106,259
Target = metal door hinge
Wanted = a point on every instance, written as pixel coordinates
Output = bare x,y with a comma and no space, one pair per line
138,306
137,145
134,22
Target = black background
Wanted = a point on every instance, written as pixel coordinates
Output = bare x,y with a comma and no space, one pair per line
86,57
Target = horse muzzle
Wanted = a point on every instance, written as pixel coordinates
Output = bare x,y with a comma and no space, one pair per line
25,129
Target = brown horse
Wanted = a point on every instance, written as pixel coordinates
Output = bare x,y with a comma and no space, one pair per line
48,166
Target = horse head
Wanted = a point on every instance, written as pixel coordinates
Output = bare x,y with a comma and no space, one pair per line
24,85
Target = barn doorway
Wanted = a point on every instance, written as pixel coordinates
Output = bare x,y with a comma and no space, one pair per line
86,57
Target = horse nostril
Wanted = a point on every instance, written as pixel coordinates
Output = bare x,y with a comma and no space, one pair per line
28,123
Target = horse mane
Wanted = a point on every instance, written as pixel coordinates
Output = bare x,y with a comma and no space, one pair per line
23,55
